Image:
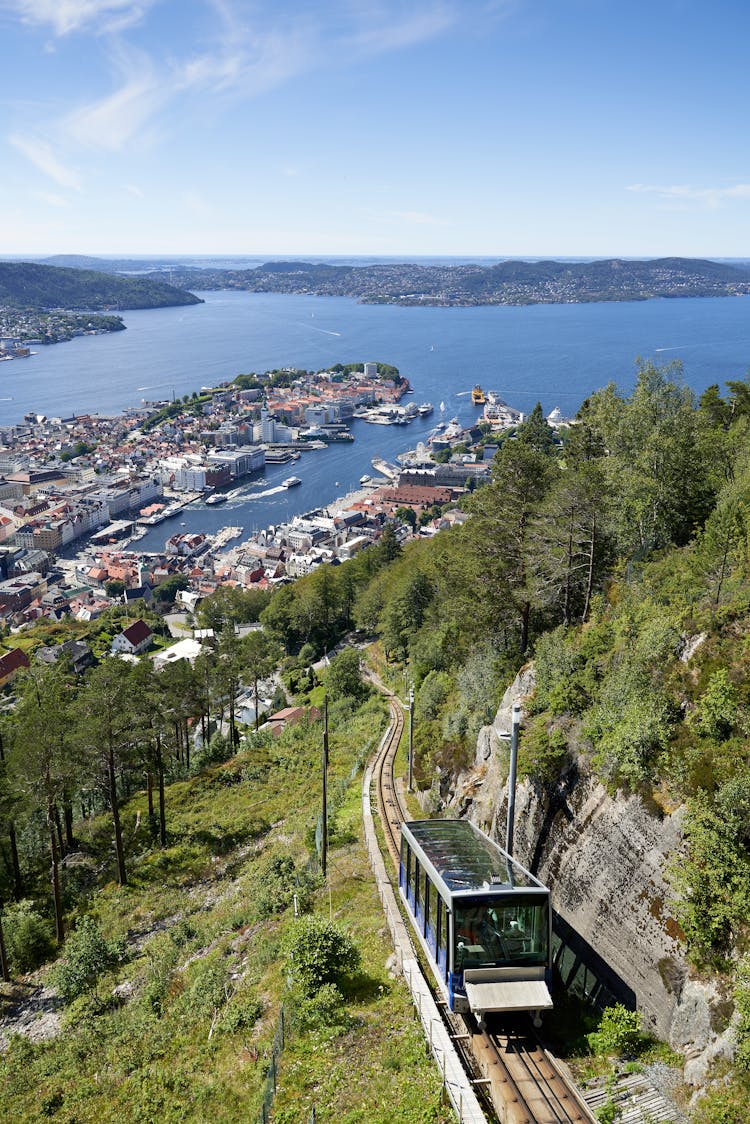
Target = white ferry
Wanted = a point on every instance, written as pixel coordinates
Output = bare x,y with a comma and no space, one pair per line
290,482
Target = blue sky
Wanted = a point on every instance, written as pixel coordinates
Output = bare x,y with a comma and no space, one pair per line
493,127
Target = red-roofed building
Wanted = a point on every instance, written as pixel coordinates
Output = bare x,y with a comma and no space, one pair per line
11,663
134,639
290,715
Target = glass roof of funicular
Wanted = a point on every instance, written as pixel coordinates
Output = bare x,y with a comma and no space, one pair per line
466,859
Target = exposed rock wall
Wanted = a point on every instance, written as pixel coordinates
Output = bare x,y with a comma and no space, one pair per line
604,860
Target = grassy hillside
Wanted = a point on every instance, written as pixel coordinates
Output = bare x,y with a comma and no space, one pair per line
204,927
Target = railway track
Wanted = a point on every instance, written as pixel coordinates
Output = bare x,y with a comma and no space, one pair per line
390,807
522,1080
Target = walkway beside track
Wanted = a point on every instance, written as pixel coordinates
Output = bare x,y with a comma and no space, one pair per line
455,1080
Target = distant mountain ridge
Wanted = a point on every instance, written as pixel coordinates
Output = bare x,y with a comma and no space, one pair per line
511,282
28,285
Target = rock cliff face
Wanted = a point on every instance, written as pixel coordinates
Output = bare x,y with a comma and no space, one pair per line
604,860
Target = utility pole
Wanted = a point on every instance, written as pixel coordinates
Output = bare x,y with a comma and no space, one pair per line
324,827
4,972
411,740
516,722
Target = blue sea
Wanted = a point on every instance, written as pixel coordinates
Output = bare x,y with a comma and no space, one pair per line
555,354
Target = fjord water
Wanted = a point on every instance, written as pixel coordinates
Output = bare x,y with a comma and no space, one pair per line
556,354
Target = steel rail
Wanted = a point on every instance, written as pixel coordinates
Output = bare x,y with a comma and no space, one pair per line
390,807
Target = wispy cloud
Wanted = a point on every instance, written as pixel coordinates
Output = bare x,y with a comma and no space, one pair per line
113,121
52,198
65,16
41,155
250,49
709,196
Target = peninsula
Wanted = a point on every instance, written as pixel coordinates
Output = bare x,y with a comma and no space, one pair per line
45,304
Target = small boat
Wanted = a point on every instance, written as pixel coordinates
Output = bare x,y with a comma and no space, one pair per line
217,497
442,407
425,409
477,396
365,479
290,482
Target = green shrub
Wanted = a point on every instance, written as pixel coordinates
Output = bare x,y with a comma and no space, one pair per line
209,988
619,1032
716,711
216,751
343,678
162,954
432,694
242,1013
28,938
742,1007
542,752
319,953
278,880
555,663
88,954
326,1008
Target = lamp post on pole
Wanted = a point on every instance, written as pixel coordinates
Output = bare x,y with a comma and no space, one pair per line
510,829
411,740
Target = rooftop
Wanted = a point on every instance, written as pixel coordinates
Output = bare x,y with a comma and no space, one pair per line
467,859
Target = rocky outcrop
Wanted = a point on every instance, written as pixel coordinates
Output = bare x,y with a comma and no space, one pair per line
604,859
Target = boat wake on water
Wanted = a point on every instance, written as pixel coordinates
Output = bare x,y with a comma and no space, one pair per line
258,495
325,331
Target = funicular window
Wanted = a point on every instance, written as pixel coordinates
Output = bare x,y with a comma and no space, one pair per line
442,935
414,882
429,912
506,931
403,874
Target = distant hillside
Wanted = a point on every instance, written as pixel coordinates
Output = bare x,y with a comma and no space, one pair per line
24,285
507,282
110,265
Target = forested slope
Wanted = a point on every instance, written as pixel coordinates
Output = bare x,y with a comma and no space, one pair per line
24,285
618,560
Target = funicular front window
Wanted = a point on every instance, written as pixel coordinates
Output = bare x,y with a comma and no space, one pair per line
505,931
